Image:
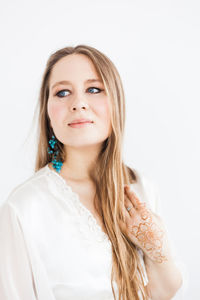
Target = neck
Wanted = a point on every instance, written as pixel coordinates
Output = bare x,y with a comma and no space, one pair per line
79,162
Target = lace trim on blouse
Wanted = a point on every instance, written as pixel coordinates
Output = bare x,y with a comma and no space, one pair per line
91,222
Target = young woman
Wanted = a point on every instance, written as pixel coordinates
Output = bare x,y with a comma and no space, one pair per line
84,226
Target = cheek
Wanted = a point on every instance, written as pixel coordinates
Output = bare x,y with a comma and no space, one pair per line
55,111
102,108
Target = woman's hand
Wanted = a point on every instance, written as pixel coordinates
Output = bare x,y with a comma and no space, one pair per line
144,228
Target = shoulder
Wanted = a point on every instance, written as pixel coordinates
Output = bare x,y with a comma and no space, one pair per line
146,189
28,191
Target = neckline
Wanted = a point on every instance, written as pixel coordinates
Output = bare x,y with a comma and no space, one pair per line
83,208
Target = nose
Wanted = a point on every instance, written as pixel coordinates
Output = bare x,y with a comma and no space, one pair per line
78,105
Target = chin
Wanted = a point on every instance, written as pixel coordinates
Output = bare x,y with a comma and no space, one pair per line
85,143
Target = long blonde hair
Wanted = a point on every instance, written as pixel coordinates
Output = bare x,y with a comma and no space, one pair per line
110,173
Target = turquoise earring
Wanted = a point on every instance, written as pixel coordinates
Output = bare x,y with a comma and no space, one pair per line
57,164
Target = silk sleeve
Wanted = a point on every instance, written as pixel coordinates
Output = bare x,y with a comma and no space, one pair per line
21,273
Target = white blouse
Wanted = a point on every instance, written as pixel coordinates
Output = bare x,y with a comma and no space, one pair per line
51,247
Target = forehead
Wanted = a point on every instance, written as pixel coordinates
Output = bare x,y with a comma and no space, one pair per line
73,67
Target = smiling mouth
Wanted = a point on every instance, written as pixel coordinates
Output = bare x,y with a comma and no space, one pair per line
80,124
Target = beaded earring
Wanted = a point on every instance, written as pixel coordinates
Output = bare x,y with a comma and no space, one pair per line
57,164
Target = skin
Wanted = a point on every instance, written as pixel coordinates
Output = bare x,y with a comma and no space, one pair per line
144,227
78,101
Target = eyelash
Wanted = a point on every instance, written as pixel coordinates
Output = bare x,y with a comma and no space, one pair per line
100,90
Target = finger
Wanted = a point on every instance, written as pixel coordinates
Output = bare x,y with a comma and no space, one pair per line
128,203
123,227
133,198
129,195
126,230
127,215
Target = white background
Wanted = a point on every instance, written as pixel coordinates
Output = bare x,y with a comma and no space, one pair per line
156,47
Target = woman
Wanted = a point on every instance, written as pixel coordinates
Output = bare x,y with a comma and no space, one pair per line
74,229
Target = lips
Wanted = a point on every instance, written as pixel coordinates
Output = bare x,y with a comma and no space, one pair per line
79,121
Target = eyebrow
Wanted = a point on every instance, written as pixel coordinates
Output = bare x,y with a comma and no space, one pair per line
68,82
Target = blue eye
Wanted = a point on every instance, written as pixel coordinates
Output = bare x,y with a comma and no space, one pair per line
62,91
62,94
99,90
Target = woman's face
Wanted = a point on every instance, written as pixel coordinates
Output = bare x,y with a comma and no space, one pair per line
78,96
